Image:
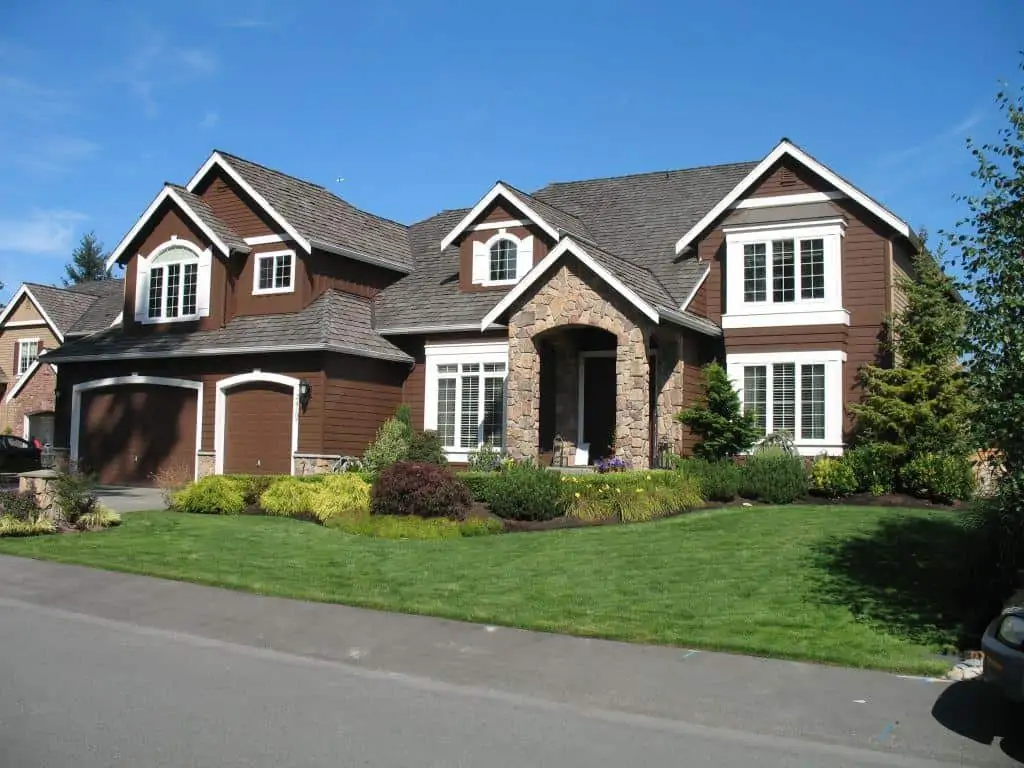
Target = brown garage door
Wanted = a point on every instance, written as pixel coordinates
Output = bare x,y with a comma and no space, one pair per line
128,433
258,429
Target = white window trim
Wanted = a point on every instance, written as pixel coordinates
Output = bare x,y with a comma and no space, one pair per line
23,291
760,314
174,242
498,190
457,354
221,411
833,360
502,235
256,290
22,343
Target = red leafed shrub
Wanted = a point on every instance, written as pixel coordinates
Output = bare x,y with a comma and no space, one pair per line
421,489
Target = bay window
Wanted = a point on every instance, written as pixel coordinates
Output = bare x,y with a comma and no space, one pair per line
797,393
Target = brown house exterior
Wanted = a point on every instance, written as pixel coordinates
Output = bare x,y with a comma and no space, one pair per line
271,327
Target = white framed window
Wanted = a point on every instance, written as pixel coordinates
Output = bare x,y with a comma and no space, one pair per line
502,259
800,393
784,274
28,353
172,284
465,395
273,272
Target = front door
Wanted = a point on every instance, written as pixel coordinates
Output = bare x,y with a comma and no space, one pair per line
599,405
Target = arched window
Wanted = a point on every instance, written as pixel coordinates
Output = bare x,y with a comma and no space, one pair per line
173,283
503,260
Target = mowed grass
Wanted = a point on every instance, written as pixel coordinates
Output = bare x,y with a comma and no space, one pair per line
773,581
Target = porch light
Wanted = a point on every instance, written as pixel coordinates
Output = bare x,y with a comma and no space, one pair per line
305,393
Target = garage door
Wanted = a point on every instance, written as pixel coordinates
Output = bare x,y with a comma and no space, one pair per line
258,429
129,433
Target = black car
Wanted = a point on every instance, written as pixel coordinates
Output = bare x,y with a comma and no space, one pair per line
18,455
1003,644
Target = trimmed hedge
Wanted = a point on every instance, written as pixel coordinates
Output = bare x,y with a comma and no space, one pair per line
718,480
478,483
525,492
832,478
774,476
213,495
420,489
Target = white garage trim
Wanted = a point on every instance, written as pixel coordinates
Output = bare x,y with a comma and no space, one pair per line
121,381
220,414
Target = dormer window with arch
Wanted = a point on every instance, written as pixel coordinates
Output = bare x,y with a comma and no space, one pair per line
503,259
173,283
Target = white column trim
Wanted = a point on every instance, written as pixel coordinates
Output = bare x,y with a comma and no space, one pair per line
117,381
220,411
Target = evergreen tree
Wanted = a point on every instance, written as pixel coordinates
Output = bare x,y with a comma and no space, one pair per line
920,405
725,430
87,262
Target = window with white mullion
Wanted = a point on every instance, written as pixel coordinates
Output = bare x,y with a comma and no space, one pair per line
784,401
812,401
469,406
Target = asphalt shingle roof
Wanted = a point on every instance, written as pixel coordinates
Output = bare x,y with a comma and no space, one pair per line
556,217
336,321
322,217
205,214
64,307
108,304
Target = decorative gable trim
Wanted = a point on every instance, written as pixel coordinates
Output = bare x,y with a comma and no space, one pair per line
165,193
24,291
498,190
696,287
218,160
22,381
567,245
786,148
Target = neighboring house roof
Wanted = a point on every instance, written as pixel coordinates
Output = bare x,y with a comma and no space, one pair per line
104,311
319,217
63,308
336,322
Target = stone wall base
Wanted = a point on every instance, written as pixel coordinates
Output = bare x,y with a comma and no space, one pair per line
207,464
314,464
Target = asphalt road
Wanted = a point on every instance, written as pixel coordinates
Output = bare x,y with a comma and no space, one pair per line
101,669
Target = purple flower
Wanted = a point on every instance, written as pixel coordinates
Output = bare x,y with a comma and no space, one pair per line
611,464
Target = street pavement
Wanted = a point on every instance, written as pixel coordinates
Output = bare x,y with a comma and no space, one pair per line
106,669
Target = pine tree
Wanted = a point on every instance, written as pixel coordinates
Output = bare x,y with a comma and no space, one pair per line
725,430
920,405
87,262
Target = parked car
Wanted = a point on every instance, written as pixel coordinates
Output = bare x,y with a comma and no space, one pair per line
1003,644
18,455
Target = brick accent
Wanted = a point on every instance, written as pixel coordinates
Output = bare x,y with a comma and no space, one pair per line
36,396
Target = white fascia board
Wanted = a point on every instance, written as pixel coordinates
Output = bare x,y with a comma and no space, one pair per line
700,282
22,381
787,148
498,190
801,198
24,291
216,159
417,329
568,245
165,193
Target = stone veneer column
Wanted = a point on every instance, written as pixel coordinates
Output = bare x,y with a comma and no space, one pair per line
632,402
671,393
523,410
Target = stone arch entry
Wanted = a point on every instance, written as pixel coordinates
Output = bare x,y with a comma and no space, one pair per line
572,298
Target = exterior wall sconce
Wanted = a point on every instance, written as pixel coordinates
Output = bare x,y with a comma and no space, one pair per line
305,393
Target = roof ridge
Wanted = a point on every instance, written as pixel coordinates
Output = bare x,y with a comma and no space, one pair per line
647,173
531,196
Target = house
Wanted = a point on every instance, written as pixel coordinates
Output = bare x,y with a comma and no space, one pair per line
270,326
38,318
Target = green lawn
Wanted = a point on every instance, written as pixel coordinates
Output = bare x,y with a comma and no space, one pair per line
849,585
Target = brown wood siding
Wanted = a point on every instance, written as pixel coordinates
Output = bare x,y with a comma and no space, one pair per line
783,338
167,221
414,390
258,429
232,206
361,394
241,300
696,351
902,270
500,210
130,433
541,244
788,177
711,250
329,270
24,312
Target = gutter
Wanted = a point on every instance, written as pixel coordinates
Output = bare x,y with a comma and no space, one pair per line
398,357
438,329
688,321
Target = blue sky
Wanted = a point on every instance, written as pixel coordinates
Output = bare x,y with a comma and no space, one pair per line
405,108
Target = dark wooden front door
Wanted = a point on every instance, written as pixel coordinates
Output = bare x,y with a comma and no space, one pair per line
599,405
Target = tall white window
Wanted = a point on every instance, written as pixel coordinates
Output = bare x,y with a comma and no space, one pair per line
784,275
799,393
501,259
173,284
28,353
466,395
274,272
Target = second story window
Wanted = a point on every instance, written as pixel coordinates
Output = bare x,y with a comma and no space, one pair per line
809,272
274,272
503,261
173,285
28,352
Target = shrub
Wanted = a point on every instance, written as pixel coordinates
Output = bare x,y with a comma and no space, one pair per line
288,497
417,528
526,492
213,495
718,480
718,419
426,445
874,467
99,518
391,445
942,477
171,480
74,495
630,496
11,526
404,414
345,495
252,486
421,489
478,483
19,506
773,476
486,458
832,478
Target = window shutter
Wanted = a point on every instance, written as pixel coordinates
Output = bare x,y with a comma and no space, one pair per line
39,347
481,263
524,257
203,283
17,357
141,287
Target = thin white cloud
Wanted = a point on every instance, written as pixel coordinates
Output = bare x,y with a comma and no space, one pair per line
937,141
210,119
25,99
54,154
153,66
40,232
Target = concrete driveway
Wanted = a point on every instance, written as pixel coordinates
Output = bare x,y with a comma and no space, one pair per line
124,498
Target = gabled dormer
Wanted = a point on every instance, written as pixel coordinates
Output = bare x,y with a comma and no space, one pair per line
504,235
